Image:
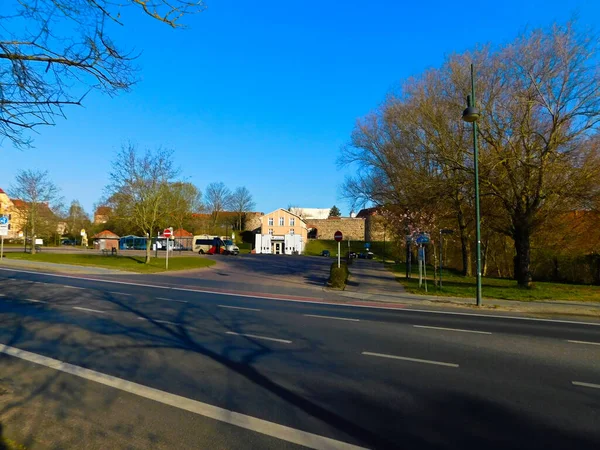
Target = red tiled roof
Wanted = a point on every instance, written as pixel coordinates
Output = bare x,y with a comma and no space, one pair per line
106,234
182,233
19,203
1,191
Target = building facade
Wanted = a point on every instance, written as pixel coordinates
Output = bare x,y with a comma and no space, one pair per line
281,232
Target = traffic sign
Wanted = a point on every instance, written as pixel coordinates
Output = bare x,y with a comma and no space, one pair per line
367,245
167,233
423,239
338,236
3,220
3,229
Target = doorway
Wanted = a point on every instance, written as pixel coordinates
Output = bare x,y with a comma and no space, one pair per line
278,248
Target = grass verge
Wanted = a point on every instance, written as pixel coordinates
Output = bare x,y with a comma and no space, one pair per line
126,263
456,285
7,444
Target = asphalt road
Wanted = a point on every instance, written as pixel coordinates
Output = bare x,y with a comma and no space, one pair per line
369,377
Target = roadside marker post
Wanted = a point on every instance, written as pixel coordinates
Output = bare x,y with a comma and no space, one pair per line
338,236
167,232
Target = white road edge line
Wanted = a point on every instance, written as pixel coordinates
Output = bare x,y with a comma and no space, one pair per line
232,294
238,307
88,310
590,385
451,329
584,342
275,430
331,317
161,321
33,300
171,300
404,358
72,287
121,293
283,341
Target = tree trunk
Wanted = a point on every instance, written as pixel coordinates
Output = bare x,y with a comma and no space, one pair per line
32,235
148,249
522,260
467,267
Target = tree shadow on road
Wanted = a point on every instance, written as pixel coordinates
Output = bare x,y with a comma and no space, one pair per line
136,346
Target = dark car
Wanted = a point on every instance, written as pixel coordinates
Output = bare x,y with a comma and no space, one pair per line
352,255
325,253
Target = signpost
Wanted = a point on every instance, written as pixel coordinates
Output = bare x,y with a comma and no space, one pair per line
3,232
167,232
338,236
422,240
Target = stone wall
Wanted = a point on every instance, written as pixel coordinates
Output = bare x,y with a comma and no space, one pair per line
352,228
374,228
253,221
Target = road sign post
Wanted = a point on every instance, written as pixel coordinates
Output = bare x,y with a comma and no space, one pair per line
3,232
338,236
167,232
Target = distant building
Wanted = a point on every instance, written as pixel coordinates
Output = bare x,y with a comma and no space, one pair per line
102,214
311,213
282,232
106,240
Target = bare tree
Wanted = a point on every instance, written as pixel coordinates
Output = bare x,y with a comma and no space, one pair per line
217,200
139,189
77,219
184,199
35,196
55,51
241,202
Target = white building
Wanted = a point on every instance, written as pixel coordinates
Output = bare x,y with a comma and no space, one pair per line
311,213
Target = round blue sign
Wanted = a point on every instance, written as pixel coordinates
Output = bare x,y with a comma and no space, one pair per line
3,220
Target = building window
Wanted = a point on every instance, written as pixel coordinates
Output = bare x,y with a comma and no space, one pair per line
292,221
270,221
271,231
292,231
281,221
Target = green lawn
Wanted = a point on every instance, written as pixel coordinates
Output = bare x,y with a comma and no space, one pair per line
127,263
455,285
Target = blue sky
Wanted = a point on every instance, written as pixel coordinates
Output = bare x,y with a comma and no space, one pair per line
263,94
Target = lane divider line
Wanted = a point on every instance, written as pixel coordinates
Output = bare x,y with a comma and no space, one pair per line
589,385
121,293
265,338
33,300
72,287
255,424
88,310
405,358
584,342
238,307
331,317
171,300
451,329
314,301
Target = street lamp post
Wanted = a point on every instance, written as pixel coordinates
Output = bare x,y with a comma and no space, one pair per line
471,115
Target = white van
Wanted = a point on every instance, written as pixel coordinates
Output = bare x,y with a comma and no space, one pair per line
204,242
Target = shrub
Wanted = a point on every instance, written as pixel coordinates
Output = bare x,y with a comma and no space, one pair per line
338,277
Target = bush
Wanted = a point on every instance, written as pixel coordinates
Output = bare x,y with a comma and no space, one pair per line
338,277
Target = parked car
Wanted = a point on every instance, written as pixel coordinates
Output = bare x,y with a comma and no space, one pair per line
352,255
325,253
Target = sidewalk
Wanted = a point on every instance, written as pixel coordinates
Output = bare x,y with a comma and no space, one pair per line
371,281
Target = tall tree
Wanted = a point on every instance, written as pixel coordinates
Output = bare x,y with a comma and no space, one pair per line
77,219
334,212
184,199
139,189
217,199
37,195
56,51
241,202
540,102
